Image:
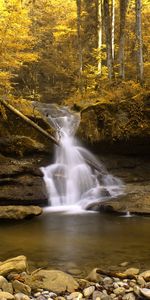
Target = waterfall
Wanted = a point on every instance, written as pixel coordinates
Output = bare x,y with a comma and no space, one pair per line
75,177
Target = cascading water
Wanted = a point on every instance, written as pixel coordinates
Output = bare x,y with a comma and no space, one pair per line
76,178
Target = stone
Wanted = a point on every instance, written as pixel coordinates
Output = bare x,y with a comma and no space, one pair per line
75,295
96,295
129,296
19,212
5,286
132,271
119,291
136,290
21,296
59,298
53,280
21,287
145,275
141,281
17,264
145,292
93,276
88,291
107,280
37,294
74,271
7,296
124,264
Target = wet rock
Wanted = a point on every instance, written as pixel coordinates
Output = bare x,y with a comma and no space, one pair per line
132,271
21,287
145,275
107,281
138,203
21,296
129,296
19,212
141,281
53,280
119,291
88,291
145,292
124,264
6,296
75,295
17,264
96,295
93,276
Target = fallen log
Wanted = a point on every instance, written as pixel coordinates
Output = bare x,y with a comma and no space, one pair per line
17,264
27,120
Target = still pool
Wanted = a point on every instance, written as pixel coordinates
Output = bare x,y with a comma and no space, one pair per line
88,240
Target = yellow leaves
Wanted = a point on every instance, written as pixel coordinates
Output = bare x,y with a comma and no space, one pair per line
16,41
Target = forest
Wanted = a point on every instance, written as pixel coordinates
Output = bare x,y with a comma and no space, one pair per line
54,51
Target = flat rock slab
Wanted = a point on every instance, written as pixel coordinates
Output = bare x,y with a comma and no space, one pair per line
133,203
19,212
52,280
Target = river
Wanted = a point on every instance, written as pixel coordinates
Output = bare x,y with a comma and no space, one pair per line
87,240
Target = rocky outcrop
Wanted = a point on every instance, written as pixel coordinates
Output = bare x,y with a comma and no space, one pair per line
19,212
135,173
21,181
120,126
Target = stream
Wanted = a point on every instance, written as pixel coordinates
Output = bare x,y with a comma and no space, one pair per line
88,240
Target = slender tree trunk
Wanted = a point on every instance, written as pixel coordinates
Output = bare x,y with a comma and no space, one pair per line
113,28
27,120
79,44
108,39
123,9
139,42
99,34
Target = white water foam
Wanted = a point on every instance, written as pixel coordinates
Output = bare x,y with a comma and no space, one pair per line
76,179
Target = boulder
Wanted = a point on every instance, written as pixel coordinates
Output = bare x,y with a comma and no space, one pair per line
19,212
17,264
6,296
52,280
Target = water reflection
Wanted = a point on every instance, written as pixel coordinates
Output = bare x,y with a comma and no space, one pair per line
89,240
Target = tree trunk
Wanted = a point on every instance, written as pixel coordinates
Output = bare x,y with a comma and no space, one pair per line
79,44
99,34
108,39
30,122
113,28
139,42
123,9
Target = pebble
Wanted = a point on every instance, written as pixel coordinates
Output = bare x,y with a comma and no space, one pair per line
75,295
107,280
21,296
129,296
119,291
145,292
88,291
124,264
37,294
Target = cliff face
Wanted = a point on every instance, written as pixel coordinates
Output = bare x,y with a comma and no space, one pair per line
122,125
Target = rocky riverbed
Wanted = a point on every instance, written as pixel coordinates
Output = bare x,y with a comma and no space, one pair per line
18,283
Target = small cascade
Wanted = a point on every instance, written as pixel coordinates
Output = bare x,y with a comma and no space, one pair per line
76,177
